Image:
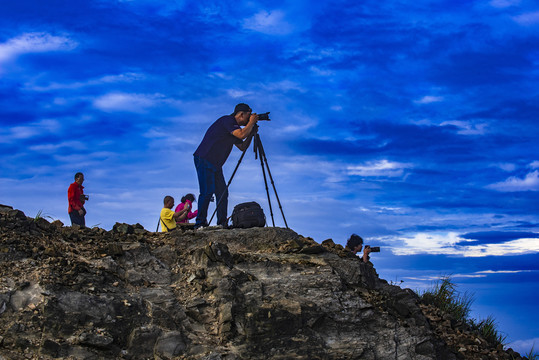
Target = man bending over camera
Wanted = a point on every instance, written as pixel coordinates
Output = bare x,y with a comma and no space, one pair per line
213,152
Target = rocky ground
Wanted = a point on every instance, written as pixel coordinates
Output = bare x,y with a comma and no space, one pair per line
262,293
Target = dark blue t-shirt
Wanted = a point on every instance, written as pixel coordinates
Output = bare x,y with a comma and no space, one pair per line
218,141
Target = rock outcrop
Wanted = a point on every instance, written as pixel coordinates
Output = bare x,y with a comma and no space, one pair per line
261,293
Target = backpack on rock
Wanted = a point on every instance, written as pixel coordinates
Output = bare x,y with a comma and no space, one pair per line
247,215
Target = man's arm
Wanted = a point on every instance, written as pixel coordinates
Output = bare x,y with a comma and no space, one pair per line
245,144
366,253
246,131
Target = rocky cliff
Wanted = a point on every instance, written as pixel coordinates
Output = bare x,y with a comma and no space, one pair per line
262,293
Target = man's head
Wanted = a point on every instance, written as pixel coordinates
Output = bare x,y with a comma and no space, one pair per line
79,178
355,243
168,202
242,113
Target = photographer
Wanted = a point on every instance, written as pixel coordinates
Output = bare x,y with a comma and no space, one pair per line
76,200
213,152
354,245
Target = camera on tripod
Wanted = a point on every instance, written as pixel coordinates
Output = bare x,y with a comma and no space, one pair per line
259,154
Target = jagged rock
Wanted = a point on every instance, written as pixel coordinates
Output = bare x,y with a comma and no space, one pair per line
5,208
261,293
170,345
123,228
30,296
57,223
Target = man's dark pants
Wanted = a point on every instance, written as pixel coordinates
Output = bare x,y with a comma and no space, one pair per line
211,181
77,219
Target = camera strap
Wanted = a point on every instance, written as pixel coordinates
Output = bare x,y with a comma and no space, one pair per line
161,220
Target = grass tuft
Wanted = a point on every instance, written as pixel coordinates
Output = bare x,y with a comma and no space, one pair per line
445,297
532,354
487,329
40,215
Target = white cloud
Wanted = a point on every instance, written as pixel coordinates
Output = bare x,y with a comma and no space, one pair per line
268,22
36,42
488,272
284,85
505,166
108,79
535,164
322,72
236,93
427,243
446,244
76,145
45,126
531,18
381,210
524,346
298,128
529,183
379,168
429,99
477,274
467,128
129,102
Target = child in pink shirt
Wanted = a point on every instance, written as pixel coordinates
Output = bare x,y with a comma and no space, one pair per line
187,200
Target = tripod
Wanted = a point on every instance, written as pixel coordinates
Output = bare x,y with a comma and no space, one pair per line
259,153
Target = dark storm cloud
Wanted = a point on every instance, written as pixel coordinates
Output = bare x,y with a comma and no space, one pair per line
412,142
495,237
476,69
447,265
468,200
521,110
526,224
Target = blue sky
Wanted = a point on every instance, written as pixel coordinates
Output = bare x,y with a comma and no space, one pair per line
413,124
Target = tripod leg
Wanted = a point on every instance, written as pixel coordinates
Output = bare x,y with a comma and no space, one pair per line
227,185
258,146
263,154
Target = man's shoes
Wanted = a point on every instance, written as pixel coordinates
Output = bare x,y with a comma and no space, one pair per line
200,226
214,227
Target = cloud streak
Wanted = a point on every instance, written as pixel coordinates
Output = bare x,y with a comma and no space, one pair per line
34,42
455,245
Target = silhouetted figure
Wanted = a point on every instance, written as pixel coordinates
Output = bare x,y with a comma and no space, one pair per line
354,244
213,152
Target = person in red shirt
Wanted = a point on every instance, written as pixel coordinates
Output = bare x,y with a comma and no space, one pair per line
76,199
